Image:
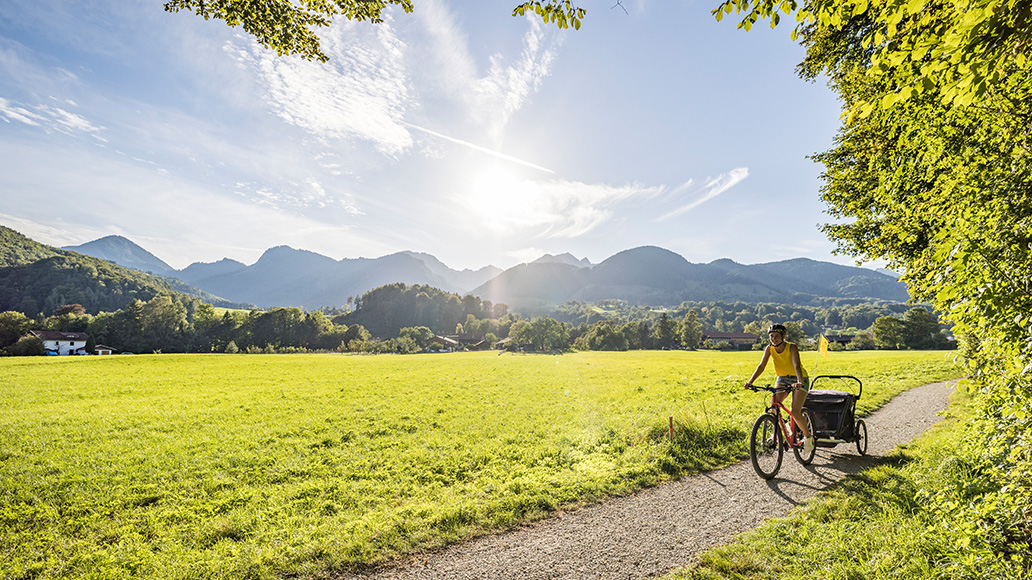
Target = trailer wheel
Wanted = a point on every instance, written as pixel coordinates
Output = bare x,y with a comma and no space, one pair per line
861,437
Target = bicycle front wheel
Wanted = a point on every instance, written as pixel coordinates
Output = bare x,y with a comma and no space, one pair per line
765,447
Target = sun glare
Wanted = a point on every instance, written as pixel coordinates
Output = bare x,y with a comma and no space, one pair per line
495,195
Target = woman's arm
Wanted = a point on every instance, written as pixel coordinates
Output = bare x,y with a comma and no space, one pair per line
759,368
798,366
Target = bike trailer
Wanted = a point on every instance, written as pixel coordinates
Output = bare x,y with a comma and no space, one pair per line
833,412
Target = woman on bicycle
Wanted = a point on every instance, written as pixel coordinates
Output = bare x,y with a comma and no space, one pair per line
790,373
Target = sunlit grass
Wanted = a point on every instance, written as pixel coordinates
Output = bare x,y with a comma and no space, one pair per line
261,466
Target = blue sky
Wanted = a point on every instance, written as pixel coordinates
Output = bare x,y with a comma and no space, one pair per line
456,130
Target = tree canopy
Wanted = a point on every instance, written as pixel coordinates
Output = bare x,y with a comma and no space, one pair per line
290,26
956,50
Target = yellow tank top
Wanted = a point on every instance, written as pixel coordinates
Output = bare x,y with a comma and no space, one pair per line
783,361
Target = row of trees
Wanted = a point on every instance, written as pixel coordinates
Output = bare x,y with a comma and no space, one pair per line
548,334
848,316
174,324
918,329
177,324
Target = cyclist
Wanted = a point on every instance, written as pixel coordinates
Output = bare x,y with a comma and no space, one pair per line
789,371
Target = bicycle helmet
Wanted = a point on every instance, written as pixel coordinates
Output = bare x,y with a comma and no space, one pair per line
777,328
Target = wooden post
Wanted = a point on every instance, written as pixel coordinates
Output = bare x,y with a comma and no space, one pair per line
671,428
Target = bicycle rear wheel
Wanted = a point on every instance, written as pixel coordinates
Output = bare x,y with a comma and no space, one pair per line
801,455
765,447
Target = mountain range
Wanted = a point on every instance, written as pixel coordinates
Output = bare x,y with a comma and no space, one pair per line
655,276
285,276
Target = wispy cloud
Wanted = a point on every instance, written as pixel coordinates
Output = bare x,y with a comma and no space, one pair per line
49,118
310,194
710,190
556,208
495,98
379,78
490,98
361,93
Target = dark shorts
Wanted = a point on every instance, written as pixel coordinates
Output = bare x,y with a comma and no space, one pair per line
789,380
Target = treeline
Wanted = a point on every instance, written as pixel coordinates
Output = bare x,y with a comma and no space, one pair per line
918,329
401,318
405,319
848,316
170,323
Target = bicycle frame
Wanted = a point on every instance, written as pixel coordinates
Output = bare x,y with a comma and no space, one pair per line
765,450
775,408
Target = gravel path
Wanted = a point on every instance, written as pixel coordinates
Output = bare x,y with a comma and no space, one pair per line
651,532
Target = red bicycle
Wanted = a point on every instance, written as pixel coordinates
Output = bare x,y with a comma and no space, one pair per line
772,435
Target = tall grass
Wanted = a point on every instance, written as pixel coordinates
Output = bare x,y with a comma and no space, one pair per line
263,466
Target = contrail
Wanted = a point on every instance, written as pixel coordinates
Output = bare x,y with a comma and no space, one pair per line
479,148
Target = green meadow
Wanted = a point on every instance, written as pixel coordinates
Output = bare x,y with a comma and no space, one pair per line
267,466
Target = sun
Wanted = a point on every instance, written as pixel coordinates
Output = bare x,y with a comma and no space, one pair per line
494,194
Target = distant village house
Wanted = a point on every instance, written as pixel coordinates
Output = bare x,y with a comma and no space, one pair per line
471,341
453,342
442,344
63,343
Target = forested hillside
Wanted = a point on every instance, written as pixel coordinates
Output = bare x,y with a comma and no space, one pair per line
36,278
384,311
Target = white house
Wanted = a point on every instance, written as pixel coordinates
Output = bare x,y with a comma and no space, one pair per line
62,342
104,350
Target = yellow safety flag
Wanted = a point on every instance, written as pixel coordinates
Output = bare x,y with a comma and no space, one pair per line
822,347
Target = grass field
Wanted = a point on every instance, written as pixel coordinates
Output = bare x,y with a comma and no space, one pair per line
264,466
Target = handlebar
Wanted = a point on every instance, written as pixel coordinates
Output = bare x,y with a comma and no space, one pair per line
768,388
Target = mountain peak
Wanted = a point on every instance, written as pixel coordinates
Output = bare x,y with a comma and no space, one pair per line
564,258
123,252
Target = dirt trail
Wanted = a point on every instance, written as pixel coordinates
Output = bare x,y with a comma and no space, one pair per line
651,532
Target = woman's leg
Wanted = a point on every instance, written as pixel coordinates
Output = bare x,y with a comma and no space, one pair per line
798,400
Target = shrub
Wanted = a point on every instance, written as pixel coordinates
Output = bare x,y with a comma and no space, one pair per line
27,346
